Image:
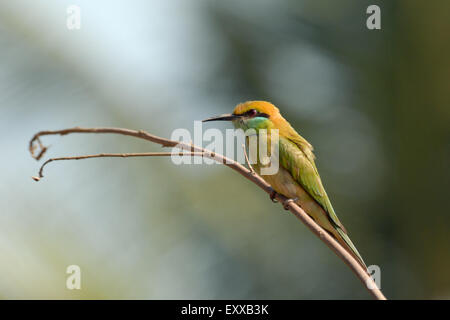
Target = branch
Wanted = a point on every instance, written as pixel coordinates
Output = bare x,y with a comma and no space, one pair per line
348,259
110,155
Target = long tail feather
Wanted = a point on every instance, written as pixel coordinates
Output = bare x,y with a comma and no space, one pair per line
351,247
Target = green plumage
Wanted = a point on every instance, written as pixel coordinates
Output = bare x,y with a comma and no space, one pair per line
297,176
304,171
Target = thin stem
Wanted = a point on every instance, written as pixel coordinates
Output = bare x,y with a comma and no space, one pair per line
247,161
115,155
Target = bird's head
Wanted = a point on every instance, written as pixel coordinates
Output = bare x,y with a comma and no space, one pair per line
251,115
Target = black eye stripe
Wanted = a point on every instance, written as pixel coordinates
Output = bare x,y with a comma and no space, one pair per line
250,113
255,113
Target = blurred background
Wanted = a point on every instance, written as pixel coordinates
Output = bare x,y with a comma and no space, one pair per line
375,104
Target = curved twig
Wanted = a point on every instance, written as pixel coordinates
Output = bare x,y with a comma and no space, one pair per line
351,262
112,155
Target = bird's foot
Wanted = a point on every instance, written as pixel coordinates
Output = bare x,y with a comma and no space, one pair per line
286,203
272,195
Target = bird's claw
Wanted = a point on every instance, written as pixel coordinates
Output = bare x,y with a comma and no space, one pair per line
273,194
286,203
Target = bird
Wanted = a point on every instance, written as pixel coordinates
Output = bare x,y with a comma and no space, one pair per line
297,177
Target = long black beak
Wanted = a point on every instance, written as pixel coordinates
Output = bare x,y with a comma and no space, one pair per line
223,117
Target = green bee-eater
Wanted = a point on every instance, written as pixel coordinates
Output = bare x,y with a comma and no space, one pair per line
297,177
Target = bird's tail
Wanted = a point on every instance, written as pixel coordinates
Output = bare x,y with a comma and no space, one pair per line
348,244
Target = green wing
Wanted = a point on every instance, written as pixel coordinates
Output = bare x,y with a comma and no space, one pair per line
303,169
297,157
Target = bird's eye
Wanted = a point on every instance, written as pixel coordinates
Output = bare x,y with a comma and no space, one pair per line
252,112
